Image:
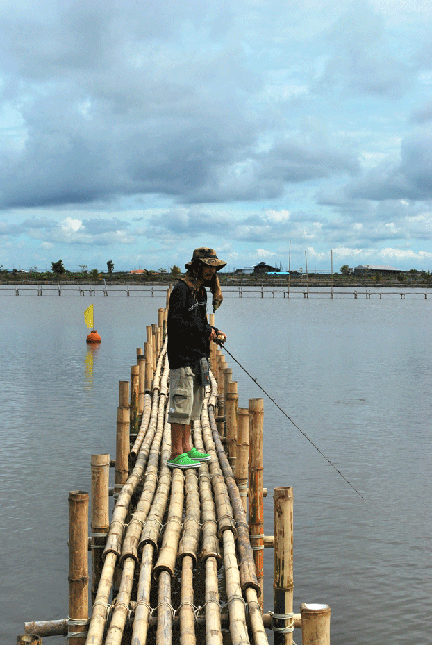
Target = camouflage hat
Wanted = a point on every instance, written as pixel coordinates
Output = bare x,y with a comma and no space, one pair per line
207,256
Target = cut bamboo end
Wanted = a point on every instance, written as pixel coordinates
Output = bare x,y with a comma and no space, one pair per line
315,624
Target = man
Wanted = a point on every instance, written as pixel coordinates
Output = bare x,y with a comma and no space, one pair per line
189,337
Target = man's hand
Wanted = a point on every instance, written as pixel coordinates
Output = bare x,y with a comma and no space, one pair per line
218,336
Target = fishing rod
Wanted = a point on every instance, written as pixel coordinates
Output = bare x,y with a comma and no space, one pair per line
220,342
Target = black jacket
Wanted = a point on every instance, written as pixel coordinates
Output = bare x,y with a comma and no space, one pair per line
187,327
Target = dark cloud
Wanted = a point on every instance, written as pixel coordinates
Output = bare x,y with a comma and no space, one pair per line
411,179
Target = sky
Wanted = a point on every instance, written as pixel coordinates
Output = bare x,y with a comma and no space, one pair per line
273,131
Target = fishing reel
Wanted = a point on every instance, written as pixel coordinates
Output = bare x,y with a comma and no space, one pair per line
219,339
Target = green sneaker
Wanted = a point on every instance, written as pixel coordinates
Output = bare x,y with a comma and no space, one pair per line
182,461
198,456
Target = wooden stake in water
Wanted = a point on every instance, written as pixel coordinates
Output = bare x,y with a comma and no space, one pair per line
231,407
78,567
100,465
283,584
242,457
122,444
256,507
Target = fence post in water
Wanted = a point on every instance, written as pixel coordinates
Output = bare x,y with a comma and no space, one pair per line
231,408
134,399
100,465
283,567
227,379
315,624
122,444
78,566
141,382
148,376
213,346
242,461
221,396
256,511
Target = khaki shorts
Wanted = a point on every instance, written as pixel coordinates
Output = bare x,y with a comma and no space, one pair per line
186,396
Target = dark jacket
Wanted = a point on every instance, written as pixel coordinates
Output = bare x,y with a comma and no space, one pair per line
187,327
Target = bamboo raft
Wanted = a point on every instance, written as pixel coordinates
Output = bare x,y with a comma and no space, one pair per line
180,560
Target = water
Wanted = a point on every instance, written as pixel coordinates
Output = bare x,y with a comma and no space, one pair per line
354,375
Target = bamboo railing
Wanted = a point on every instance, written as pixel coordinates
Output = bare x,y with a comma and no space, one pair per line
178,561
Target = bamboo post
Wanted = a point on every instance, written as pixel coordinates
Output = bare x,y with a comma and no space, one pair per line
227,378
242,456
141,384
78,566
315,624
256,507
148,374
154,346
122,444
220,395
134,399
213,346
231,407
283,585
100,465
161,317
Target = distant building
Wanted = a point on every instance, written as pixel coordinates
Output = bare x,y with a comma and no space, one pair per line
262,267
245,271
375,268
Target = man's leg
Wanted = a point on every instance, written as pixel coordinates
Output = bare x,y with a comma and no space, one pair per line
177,433
187,438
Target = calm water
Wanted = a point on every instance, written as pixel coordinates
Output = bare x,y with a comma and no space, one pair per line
355,375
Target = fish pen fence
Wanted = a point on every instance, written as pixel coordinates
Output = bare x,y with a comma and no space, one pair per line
181,559
257,291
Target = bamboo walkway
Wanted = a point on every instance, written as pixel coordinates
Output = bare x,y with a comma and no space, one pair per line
180,561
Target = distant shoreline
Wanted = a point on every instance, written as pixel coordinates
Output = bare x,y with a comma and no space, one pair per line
418,280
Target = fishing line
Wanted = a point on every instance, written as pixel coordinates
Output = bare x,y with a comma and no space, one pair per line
221,344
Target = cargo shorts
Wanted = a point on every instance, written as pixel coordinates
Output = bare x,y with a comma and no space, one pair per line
186,396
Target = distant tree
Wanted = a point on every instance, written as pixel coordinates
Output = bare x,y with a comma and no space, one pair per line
94,274
162,271
57,267
110,265
83,268
344,269
175,270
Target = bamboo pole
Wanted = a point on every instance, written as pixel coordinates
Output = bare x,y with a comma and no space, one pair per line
315,624
154,340
221,363
122,443
134,403
231,407
148,374
242,460
143,609
78,567
213,614
213,346
168,552
100,465
236,605
165,610
283,586
256,507
141,389
247,565
187,622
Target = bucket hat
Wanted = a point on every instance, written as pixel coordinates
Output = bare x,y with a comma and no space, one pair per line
207,256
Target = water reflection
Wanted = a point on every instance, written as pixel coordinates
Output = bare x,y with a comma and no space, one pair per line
89,359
